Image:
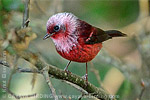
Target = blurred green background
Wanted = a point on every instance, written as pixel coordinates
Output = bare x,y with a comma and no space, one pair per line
121,80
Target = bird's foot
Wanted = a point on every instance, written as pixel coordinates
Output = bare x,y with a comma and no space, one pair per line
85,77
67,71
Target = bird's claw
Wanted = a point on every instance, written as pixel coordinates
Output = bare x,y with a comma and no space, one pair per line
67,71
85,77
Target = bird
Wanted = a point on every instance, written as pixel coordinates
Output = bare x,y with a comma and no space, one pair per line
75,39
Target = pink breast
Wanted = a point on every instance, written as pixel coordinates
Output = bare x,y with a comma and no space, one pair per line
82,53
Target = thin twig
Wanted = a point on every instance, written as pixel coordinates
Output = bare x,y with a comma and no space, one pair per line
4,63
143,89
26,22
46,76
26,14
76,86
27,70
87,95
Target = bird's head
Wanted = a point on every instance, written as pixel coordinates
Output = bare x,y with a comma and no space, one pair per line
61,25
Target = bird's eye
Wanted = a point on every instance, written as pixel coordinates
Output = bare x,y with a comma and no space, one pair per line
56,28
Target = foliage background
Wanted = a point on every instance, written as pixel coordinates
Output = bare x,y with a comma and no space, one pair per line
119,67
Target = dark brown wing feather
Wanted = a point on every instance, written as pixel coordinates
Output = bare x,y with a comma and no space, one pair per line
92,35
97,36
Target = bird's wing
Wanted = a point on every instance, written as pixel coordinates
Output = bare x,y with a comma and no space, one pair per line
97,36
94,35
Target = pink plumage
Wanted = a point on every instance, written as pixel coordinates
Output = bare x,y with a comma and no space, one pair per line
75,39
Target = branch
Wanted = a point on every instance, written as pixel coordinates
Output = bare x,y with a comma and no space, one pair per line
142,91
76,87
61,74
47,78
26,14
4,63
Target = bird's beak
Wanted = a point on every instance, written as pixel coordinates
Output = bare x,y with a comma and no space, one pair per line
46,36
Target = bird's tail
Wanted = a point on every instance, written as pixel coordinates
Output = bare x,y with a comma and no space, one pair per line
102,36
115,33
